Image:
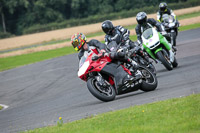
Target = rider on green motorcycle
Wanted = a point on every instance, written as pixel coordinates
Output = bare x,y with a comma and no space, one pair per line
144,24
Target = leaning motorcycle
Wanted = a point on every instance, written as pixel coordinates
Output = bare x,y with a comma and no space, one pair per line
156,49
139,55
171,27
103,76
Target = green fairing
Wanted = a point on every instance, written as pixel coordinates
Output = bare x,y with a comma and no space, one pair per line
157,50
164,41
149,51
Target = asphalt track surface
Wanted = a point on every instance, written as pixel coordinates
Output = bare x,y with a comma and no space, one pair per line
40,93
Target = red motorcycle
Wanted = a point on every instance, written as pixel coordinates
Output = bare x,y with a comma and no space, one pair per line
104,76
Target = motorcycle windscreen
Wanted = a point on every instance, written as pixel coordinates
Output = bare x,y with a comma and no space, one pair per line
85,56
167,18
112,46
147,33
83,63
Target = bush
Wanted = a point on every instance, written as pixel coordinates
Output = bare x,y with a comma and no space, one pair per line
5,35
100,18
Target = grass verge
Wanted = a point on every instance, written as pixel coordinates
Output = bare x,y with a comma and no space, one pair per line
189,27
179,115
15,61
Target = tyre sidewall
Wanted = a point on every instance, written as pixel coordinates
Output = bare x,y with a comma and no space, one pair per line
149,86
97,94
161,57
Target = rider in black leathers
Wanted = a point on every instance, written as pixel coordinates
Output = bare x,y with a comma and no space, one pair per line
149,23
118,34
163,9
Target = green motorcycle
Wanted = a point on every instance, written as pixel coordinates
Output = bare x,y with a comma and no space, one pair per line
158,48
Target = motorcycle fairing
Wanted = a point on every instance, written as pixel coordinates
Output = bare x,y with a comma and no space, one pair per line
150,38
117,72
149,45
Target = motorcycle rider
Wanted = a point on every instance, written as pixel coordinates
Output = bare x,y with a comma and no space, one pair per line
163,9
120,34
144,23
79,42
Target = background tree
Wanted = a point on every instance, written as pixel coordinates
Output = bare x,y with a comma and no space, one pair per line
8,7
30,16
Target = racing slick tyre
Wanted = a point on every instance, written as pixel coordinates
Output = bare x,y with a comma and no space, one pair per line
105,94
149,80
165,60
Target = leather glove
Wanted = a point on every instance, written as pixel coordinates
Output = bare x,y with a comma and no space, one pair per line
120,54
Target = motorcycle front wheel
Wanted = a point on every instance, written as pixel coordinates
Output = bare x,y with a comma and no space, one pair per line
105,94
165,60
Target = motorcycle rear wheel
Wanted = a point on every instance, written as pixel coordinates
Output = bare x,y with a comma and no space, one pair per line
106,94
149,82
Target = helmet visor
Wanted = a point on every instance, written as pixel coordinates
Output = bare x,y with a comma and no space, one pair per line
162,9
107,30
142,21
76,45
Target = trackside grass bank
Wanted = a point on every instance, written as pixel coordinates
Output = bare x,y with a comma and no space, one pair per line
20,60
12,62
179,115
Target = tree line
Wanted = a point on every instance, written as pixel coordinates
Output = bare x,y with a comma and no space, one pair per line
18,15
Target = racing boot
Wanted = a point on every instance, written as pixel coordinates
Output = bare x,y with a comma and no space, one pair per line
129,80
174,48
134,64
137,73
171,55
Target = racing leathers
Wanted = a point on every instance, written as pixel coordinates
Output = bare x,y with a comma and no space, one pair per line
150,24
167,11
94,43
120,35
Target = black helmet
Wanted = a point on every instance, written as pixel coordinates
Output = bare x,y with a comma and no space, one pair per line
141,18
163,6
107,27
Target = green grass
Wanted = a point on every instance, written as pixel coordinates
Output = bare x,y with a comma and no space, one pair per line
16,61
189,27
180,115
190,15
1,107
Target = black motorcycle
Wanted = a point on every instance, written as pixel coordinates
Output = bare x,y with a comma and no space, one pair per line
142,58
171,27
